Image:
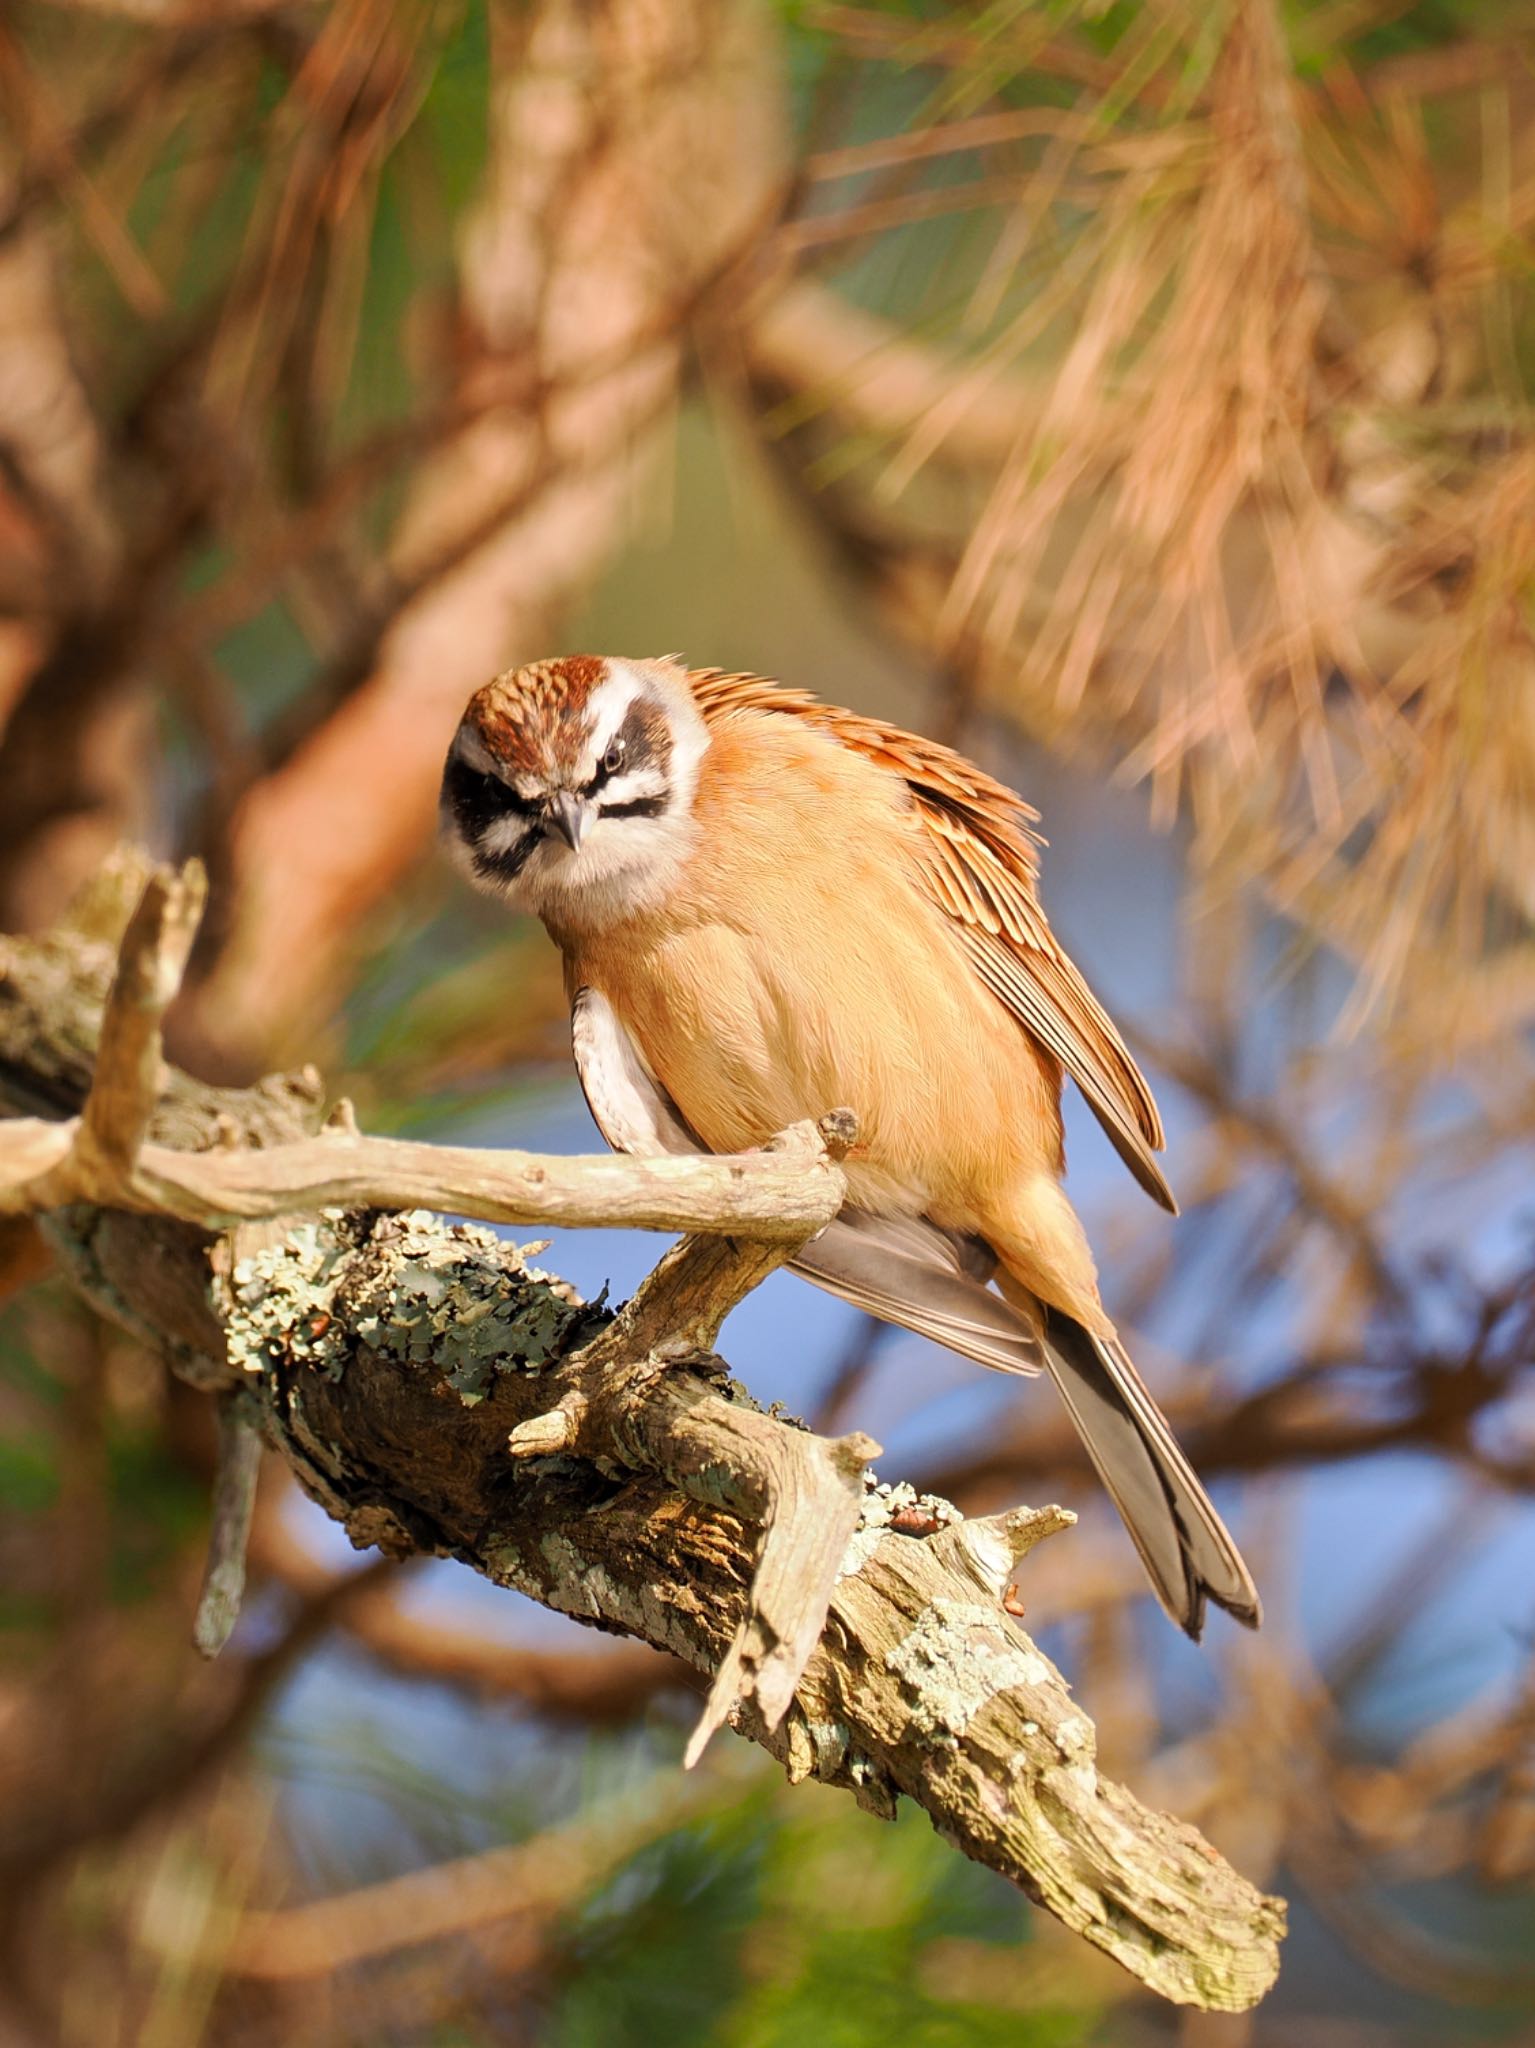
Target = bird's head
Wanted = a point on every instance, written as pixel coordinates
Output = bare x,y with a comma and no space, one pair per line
568,787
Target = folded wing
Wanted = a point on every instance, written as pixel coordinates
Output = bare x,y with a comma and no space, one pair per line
976,857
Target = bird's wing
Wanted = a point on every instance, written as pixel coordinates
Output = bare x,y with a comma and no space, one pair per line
901,1268
977,858
907,1270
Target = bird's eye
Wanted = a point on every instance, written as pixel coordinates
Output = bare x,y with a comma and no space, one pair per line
613,759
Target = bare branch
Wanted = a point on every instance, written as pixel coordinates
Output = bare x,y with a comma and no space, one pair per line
393,1361
126,1085
781,1196
41,1167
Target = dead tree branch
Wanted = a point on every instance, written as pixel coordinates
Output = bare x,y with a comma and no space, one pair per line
436,1394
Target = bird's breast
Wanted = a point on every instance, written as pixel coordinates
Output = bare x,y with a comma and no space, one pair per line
799,968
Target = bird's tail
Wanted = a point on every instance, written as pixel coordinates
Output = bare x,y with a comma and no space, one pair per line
933,1281
1186,1548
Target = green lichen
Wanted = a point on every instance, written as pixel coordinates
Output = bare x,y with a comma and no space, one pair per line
465,1299
282,1304
451,1296
957,1658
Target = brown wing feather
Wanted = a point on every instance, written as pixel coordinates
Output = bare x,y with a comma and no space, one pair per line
978,859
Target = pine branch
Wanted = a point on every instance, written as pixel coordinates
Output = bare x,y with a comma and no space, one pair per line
437,1394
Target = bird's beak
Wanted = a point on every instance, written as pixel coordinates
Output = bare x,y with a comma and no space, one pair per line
567,816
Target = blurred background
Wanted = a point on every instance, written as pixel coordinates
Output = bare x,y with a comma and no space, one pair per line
1134,395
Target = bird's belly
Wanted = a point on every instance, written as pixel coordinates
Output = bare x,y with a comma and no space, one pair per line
748,1037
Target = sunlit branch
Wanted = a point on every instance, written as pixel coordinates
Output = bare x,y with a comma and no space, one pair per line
436,1395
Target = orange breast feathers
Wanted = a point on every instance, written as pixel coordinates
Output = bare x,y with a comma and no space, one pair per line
799,966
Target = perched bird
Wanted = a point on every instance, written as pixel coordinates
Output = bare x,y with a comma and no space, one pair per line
770,908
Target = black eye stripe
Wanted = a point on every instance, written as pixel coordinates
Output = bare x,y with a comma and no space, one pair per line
639,807
642,739
510,861
477,800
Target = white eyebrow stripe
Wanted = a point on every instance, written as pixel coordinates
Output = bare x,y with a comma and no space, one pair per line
610,704
647,780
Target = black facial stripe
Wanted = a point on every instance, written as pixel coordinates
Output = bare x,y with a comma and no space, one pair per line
478,800
637,807
509,862
644,740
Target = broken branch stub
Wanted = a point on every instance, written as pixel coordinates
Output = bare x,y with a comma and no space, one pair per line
417,1377
126,1085
234,1502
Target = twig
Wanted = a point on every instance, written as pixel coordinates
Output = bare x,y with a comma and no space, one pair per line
127,1081
806,1497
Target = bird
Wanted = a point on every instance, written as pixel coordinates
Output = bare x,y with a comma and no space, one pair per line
769,908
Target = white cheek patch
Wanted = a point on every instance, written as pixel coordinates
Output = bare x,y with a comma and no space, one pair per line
625,865
461,853
690,742
503,833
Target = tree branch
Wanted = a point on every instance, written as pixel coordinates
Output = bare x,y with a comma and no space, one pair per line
436,1394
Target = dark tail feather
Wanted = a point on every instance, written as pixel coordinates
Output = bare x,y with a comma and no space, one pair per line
933,1281
908,1271
1183,1543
